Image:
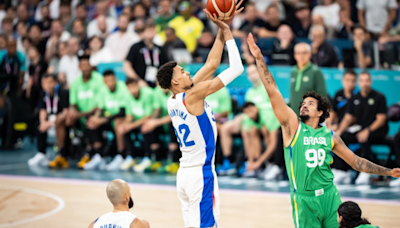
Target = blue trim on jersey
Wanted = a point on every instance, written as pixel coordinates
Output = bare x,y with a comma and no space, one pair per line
183,99
342,103
207,201
96,220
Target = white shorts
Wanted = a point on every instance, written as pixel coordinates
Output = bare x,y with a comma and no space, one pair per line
199,195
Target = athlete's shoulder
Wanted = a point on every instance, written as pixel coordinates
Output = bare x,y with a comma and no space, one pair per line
139,223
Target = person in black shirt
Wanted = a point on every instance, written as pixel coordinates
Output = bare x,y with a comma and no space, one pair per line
250,21
144,58
53,109
269,27
45,24
282,51
35,34
302,24
323,53
368,110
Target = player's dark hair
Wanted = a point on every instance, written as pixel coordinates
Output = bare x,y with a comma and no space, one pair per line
247,104
108,72
323,104
83,57
351,215
164,74
350,71
131,81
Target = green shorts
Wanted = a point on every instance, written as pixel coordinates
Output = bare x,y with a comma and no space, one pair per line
267,119
311,211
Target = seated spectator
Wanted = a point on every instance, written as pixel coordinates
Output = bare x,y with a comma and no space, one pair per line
116,9
80,33
282,51
376,17
262,6
54,63
137,113
98,52
45,23
343,29
37,40
69,64
271,25
204,44
112,105
139,11
101,26
145,57
151,8
57,34
368,110
23,15
54,9
80,14
165,14
302,24
12,69
329,10
118,41
65,15
318,20
172,42
323,53
361,55
188,28
250,21
22,31
7,28
83,94
53,110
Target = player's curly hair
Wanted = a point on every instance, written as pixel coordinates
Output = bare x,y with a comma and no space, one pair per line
323,104
164,74
351,215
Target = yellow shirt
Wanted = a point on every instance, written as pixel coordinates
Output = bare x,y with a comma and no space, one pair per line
188,31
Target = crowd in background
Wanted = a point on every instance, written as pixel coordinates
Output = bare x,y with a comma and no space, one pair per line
51,50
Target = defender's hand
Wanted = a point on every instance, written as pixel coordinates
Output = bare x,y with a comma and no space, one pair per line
237,11
395,173
254,49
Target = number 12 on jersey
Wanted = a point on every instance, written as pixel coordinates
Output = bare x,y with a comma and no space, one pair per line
185,131
315,158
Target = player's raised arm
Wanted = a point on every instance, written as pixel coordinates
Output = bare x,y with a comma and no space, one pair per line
358,163
215,55
285,115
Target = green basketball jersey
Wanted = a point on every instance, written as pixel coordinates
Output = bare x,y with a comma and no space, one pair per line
308,158
366,226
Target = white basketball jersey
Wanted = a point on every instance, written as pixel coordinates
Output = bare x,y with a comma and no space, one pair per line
196,134
121,219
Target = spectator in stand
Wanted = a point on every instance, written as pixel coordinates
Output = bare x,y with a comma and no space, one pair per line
7,27
302,24
22,31
65,15
343,29
204,44
23,15
80,33
53,110
54,8
282,51
118,41
145,57
269,27
103,24
376,16
188,28
250,21
172,42
12,68
151,9
37,40
165,14
304,77
54,62
99,53
318,20
361,55
117,8
323,53
69,64
139,11
329,10
57,35
45,23
80,14
368,110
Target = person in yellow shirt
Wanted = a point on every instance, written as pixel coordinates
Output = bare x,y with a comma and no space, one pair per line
188,28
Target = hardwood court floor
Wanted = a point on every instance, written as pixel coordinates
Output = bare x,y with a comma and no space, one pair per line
22,198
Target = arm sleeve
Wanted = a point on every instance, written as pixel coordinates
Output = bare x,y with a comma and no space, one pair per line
319,85
382,108
235,64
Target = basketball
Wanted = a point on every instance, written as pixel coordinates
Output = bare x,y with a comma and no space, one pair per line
223,8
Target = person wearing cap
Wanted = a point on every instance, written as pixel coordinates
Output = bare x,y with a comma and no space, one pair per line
119,194
349,216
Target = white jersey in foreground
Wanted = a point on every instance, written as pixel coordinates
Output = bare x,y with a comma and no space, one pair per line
121,219
196,135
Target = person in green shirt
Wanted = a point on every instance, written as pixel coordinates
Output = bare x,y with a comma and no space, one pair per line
112,102
165,15
159,123
139,109
349,216
83,103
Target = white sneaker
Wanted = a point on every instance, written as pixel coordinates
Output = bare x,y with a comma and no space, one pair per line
94,163
146,162
395,183
128,163
341,177
363,178
39,159
249,173
272,173
115,163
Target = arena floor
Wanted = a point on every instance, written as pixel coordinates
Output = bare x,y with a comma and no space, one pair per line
74,198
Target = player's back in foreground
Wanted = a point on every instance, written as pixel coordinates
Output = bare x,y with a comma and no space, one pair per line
315,199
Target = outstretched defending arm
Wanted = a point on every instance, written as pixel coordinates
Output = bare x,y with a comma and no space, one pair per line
358,163
283,113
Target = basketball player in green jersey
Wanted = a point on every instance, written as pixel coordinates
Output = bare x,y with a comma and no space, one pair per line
307,145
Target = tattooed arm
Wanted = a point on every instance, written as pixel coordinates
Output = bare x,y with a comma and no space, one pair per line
358,163
285,115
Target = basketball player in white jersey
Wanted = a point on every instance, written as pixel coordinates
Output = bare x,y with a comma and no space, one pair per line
119,194
195,127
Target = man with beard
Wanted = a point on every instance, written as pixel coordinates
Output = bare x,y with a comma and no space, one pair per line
307,146
119,194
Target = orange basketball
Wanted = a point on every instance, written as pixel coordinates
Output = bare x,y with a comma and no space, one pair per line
222,8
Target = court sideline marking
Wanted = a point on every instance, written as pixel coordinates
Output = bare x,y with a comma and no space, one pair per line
61,205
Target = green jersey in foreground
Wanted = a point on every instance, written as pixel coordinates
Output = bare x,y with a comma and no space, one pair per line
366,226
160,100
112,102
